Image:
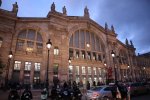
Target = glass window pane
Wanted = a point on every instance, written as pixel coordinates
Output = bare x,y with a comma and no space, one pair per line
93,41
22,34
31,34
56,51
76,39
55,69
89,71
20,44
70,69
39,47
77,70
37,66
71,41
82,39
83,70
94,70
17,65
30,44
39,37
27,66
100,71
87,37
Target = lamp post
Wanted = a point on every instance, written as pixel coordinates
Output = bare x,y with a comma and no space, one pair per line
8,65
113,56
49,45
69,61
106,73
144,73
129,71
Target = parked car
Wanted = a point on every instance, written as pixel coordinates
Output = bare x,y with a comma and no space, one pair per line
136,88
99,92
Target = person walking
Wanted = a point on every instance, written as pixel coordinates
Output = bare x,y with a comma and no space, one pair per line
13,95
27,94
88,85
44,94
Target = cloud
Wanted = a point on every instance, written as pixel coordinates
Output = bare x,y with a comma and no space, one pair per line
129,17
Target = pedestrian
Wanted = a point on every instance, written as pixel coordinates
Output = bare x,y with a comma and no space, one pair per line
13,95
123,91
88,85
94,83
44,94
27,94
114,92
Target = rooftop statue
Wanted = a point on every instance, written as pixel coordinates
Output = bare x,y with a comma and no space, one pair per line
64,10
53,7
86,12
15,8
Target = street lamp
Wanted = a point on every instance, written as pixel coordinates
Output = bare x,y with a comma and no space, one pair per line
113,56
48,45
128,66
106,72
69,60
69,68
10,55
144,72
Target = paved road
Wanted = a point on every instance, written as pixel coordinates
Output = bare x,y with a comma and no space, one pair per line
141,97
37,93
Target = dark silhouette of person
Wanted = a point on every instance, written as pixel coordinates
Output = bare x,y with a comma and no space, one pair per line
27,94
94,83
44,94
13,95
88,85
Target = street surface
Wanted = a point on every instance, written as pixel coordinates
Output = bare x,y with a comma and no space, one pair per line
37,93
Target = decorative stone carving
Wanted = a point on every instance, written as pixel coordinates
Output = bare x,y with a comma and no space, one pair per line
112,29
15,8
127,42
106,27
53,7
86,12
64,10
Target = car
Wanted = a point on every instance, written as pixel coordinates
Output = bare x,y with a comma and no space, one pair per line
99,92
136,88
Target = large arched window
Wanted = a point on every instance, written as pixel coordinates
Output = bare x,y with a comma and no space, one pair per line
87,45
29,40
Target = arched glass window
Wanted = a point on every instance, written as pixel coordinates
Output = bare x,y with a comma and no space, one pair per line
87,44
29,40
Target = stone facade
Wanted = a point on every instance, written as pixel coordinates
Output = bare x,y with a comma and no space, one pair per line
60,28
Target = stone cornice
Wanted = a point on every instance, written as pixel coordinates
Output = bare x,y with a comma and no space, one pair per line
7,14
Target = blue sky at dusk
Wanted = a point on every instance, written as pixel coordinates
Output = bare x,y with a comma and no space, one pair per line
131,18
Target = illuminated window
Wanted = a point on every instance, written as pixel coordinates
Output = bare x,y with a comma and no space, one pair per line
20,44
27,66
83,70
83,54
100,71
17,65
55,69
77,54
70,69
29,40
89,71
94,70
37,66
56,51
77,70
